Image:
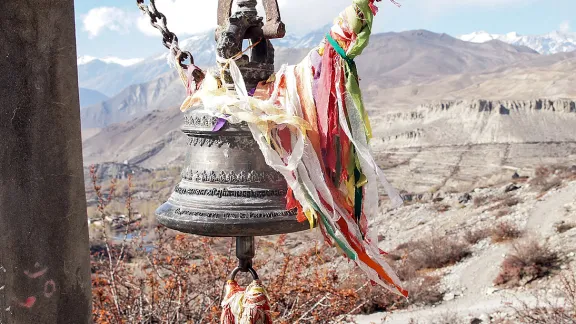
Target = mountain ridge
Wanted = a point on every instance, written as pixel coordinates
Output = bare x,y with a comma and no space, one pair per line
90,97
155,140
550,43
411,115
390,60
111,75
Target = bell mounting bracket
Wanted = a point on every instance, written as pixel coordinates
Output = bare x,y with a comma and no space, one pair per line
234,28
272,28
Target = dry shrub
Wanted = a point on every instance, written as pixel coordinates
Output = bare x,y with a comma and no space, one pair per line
309,286
480,201
423,286
448,318
542,171
502,212
171,279
504,204
547,178
561,311
505,231
442,208
529,261
510,201
175,278
564,227
424,290
435,252
550,184
507,200
476,236
564,172
181,281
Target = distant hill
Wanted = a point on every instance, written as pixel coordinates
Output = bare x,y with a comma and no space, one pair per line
392,59
403,115
550,76
90,97
150,141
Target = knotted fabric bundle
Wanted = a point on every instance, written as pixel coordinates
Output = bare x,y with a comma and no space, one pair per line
311,125
250,306
256,305
232,303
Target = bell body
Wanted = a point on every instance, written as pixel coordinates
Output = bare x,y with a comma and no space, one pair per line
227,189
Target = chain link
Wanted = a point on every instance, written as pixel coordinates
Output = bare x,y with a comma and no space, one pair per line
169,39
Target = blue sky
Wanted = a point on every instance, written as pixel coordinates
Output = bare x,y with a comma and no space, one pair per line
116,28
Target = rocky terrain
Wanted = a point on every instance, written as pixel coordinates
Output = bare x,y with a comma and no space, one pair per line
457,144
475,140
538,210
111,170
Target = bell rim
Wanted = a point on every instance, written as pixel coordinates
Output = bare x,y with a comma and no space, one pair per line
284,222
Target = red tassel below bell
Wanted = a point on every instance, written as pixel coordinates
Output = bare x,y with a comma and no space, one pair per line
232,303
256,305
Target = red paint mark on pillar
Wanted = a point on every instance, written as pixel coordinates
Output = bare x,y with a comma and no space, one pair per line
30,301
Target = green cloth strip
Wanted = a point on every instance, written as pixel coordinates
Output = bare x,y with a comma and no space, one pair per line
323,218
349,253
352,86
357,197
339,49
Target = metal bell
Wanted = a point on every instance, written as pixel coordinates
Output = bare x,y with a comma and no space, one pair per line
227,189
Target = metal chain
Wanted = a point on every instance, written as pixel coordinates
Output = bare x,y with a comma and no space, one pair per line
169,39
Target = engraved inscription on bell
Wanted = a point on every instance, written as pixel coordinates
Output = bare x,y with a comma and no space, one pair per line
227,189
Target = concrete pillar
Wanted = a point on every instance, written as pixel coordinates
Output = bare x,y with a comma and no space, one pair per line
44,253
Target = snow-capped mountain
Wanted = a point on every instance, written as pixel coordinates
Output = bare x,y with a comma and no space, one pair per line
551,43
109,60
